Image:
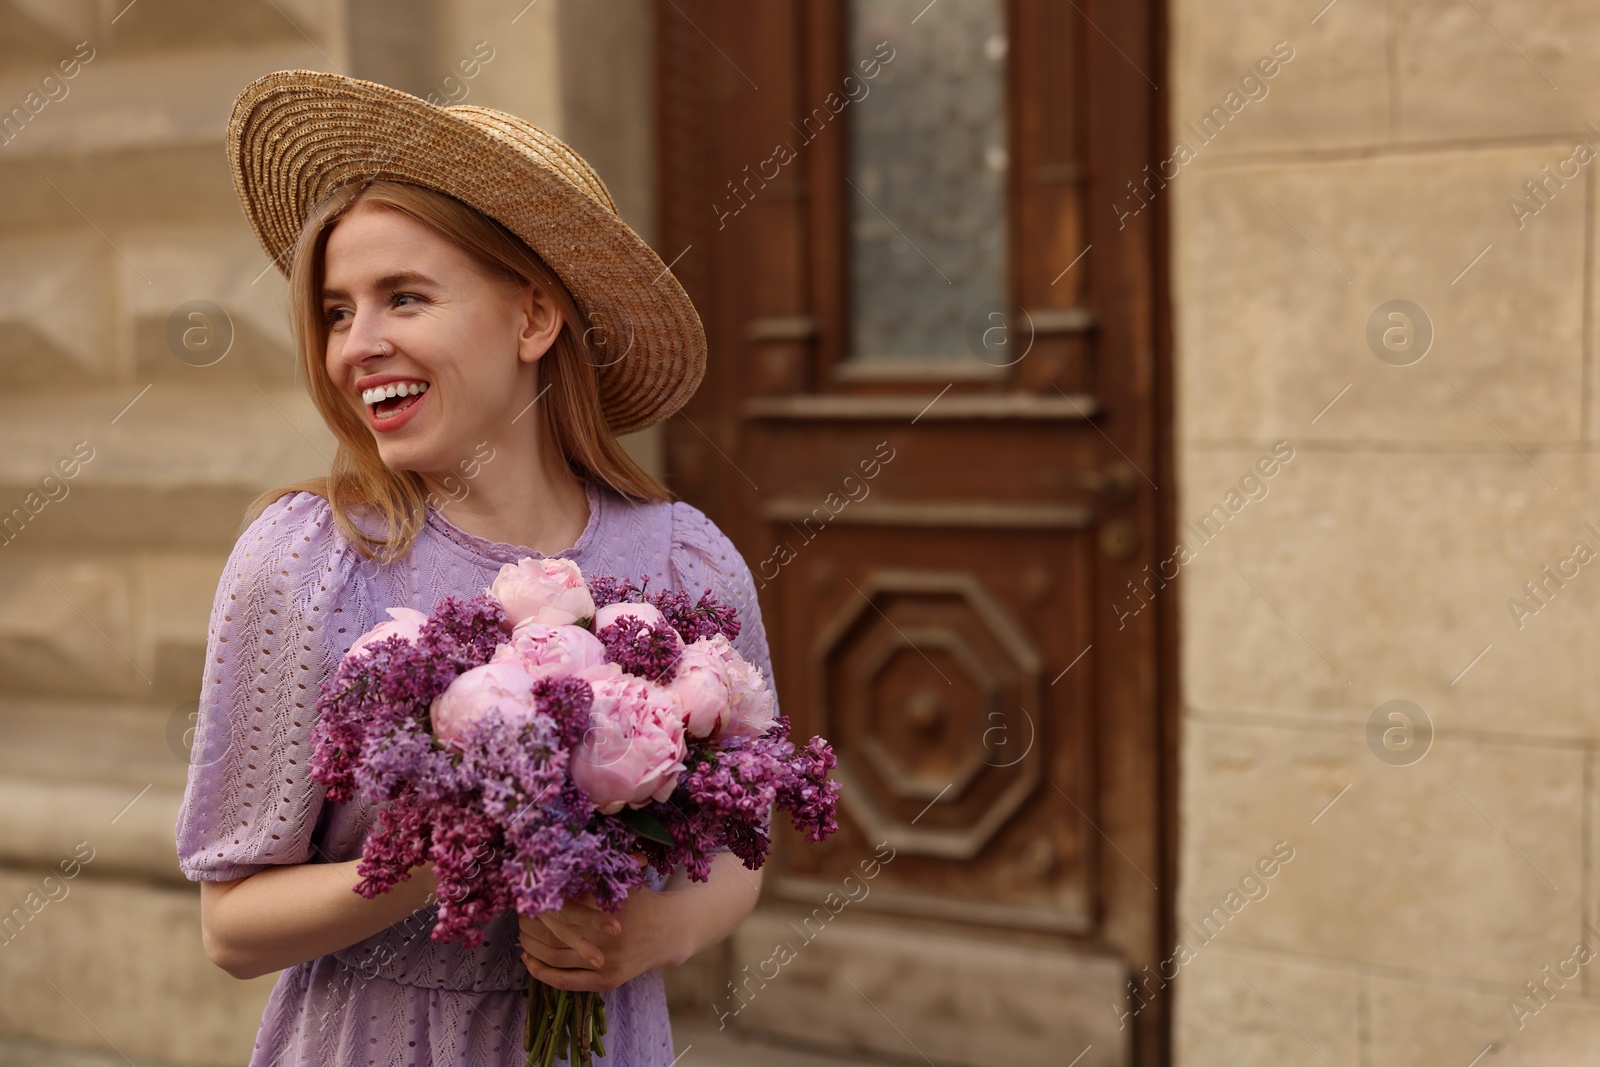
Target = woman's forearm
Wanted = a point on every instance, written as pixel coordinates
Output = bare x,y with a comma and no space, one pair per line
286,915
716,906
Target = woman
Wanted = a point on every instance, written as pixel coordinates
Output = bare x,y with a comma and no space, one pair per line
475,324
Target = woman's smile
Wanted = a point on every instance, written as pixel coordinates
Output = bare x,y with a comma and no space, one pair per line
391,400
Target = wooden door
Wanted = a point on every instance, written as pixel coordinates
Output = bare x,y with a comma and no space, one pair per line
934,424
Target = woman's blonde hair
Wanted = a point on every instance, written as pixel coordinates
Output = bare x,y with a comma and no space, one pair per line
571,416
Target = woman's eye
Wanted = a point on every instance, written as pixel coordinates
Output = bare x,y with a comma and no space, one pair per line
399,297
334,315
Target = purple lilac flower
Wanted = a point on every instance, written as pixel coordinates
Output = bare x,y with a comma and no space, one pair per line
643,650
606,589
807,793
693,621
703,618
567,701
462,837
395,845
730,785
470,628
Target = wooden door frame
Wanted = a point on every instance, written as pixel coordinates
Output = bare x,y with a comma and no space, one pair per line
1124,48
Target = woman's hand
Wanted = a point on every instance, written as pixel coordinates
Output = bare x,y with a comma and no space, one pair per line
581,947
584,948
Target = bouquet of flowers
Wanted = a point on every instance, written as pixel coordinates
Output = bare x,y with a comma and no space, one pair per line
578,732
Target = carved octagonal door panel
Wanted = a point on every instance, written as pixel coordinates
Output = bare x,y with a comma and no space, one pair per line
931,689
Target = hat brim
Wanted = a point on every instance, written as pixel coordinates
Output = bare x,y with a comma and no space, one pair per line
295,135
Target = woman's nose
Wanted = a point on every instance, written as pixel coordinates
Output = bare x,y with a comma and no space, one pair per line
362,340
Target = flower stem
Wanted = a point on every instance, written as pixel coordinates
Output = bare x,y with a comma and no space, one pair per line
565,1024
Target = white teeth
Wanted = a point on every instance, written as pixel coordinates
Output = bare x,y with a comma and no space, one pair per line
379,392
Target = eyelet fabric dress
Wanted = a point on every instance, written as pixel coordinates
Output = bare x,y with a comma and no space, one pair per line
292,599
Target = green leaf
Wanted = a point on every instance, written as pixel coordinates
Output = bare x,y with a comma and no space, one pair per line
646,825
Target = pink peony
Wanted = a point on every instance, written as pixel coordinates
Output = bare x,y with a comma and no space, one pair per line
402,622
702,685
634,749
546,650
549,591
504,687
753,711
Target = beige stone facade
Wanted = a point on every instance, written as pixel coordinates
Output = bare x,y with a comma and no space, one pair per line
1380,562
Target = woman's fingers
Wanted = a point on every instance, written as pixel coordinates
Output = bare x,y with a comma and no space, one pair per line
544,944
567,938
582,912
573,937
548,935
584,981
562,958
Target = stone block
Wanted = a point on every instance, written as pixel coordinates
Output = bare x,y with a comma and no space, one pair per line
127,830
55,299
123,746
1468,864
40,33
48,27
525,76
133,626
171,184
603,119
1247,1009
173,472
135,99
21,1052
207,308
1565,1031
697,983
1426,1023
114,965
65,22
68,627
1334,92
173,24
1494,68
1281,272
1384,575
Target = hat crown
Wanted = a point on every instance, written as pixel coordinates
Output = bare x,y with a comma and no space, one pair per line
546,149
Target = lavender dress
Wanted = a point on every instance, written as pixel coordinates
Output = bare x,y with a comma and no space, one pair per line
293,598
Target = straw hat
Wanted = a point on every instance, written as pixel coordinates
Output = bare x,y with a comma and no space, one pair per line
296,134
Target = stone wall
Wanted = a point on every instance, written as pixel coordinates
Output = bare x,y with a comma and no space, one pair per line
125,461
127,456
1440,460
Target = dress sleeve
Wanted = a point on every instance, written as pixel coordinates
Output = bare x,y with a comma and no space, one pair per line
249,802
703,558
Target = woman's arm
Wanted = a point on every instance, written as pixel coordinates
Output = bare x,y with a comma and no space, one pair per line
713,909
581,947
289,914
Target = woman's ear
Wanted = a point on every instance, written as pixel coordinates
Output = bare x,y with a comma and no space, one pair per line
540,322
